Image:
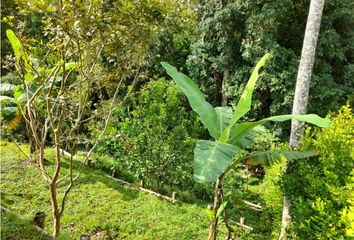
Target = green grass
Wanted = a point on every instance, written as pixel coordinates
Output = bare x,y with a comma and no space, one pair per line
96,206
106,209
13,227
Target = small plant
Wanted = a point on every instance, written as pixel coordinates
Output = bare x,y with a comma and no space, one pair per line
214,159
49,108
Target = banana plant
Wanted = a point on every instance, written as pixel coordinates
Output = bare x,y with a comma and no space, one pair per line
214,159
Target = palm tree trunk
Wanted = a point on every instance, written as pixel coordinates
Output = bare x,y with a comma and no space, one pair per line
302,89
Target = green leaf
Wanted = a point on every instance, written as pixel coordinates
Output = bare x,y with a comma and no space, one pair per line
244,104
223,204
309,118
70,65
20,96
249,137
211,159
196,99
15,43
7,99
269,157
5,87
221,208
240,130
20,54
8,111
223,118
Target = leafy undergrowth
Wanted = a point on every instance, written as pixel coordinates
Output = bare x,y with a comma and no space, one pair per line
266,191
97,206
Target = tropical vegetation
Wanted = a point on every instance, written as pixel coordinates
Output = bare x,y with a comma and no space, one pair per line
177,119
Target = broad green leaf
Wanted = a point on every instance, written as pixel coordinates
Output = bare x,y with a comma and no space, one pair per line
223,118
269,157
249,137
196,99
241,129
5,87
15,43
244,104
211,158
8,111
7,99
20,54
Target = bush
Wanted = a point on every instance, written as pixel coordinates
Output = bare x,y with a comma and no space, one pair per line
156,138
321,188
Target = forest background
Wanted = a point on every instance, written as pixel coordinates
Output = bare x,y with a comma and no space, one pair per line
153,130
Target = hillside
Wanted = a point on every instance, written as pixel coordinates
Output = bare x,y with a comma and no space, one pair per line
97,206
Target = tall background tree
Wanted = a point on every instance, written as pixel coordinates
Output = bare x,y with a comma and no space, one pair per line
303,87
236,32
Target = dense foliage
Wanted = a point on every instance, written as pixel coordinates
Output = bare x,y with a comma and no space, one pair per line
321,188
235,33
108,55
152,137
213,160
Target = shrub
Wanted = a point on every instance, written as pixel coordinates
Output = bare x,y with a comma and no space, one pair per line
154,139
321,188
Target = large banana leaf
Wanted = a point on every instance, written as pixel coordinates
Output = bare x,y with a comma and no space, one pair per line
250,136
196,99
20,54
211,158
269,157
244,104
223,118
240,130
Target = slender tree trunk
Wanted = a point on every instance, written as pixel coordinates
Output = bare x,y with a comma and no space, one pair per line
305,68
217,198
218,77
302,89
55,209
220,80
53,185
223,95
31,140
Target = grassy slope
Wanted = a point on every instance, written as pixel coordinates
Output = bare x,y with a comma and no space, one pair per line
12,227
96,205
